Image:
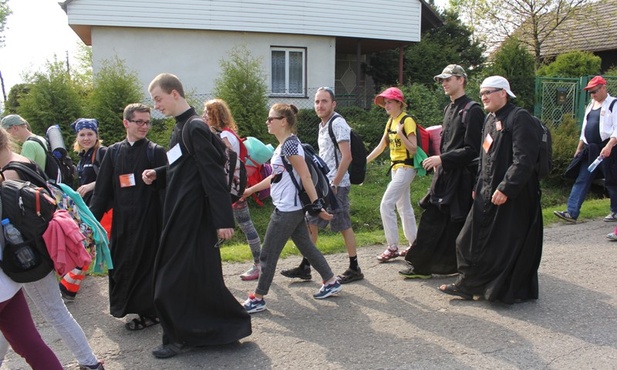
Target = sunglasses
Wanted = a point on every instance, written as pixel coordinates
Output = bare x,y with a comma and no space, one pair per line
270,119
591,92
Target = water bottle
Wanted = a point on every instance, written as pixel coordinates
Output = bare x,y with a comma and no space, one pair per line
595,164
24,254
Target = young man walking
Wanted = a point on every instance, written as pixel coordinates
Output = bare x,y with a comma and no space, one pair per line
337,157
449,198
194,305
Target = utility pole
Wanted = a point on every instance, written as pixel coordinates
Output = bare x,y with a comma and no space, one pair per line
3,90
68,67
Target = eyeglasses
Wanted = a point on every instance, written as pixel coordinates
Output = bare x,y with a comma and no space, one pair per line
595,91
488,92
140,123
270,119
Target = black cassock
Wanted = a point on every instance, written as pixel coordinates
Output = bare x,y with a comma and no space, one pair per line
136,224
193,303
449,199
500,247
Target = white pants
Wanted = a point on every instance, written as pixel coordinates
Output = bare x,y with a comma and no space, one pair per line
45,294
398,194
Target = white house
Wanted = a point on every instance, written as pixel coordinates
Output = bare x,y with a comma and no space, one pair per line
303,45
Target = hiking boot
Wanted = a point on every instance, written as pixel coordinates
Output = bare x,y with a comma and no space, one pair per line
251,274
611,217
328,290
565,215
409,273
350,275
388,254
254,305
298,272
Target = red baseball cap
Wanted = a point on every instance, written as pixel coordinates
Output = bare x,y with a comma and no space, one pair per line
596,81
391,93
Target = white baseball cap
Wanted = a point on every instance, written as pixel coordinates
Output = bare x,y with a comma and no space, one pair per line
498,82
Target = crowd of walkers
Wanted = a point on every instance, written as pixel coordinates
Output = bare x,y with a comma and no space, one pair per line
481,219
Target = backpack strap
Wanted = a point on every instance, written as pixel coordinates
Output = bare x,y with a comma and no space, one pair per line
333,137
409,159
37,140
96,164
465,112
182,134
610,107
289,169
26,173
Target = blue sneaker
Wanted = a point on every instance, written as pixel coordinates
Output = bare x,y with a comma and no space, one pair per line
327,290
254,305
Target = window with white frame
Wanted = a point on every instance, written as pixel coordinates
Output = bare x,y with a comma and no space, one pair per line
288,71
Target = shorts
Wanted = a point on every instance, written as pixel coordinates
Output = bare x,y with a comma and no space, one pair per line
341,220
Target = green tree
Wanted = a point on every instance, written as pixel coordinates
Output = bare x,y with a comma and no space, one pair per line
514,62
53,98
450,43
115,86
15,94
532,21
242,85
5,11
572,64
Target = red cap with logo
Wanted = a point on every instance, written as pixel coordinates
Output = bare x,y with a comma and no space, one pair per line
596,81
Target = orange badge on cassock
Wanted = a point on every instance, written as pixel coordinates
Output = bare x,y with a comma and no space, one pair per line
488,141
127,180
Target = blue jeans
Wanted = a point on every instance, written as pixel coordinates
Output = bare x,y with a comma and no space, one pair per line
46,296
581,188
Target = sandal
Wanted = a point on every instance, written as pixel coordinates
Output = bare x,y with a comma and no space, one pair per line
350,275
404,252
141,322
387,255
452,289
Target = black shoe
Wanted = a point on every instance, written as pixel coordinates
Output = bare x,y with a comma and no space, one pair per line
170,350
565,215
298,272
350,275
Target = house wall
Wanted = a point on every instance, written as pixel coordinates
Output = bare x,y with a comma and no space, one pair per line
194,56
340,18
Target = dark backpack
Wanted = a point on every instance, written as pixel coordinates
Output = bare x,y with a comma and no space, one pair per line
59,166
465,112
357,167
235,171
544,164
29,208
319,174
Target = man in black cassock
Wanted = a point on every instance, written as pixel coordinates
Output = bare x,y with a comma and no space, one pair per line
500,246
449,199
137,218
193,303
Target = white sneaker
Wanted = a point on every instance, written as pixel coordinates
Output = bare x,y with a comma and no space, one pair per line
612,236
251,274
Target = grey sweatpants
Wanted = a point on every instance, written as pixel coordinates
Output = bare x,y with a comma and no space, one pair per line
282,226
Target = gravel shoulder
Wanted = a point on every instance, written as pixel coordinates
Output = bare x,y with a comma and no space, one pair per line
386,322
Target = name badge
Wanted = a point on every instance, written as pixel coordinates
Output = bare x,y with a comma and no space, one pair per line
498,126
488,141
127,180
174,153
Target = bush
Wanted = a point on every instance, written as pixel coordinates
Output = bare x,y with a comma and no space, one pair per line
572,64
565,139
115,87
242,86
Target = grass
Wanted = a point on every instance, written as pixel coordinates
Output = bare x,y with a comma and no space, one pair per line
366,221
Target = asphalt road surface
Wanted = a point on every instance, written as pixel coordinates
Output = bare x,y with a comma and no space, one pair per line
386,322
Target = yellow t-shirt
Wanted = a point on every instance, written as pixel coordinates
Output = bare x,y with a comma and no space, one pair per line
398,152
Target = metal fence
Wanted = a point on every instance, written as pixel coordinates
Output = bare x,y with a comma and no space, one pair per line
558,97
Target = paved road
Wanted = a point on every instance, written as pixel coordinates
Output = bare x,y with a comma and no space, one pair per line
386,322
